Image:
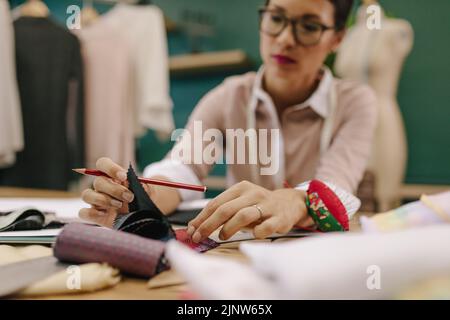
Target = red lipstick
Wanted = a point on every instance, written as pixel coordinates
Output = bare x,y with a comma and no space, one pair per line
281,59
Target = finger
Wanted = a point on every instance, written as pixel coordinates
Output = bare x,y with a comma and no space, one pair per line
102,210
232,193
90,214
100,199
100,217
243,218
114,190
226,196
305,222
110,211
111,168
220,216
266,228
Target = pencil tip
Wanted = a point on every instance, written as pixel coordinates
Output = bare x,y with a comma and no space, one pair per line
79,170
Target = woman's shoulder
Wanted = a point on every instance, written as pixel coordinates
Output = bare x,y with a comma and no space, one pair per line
241,82
232,88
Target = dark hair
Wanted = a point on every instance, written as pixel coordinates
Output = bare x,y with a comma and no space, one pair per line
342,10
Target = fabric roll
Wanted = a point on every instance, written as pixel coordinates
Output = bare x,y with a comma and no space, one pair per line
79,243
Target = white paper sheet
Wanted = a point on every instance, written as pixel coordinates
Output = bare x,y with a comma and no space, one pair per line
31,233
65,209
194,204
47,236
247,234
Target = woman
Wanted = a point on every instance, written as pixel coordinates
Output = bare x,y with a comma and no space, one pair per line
325,124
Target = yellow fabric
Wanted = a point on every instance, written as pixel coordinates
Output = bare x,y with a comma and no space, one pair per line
436,287
429,210
93,276
435,207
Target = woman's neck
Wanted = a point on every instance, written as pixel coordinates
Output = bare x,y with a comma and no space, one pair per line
285,92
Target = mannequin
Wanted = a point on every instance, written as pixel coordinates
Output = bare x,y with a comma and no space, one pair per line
376,57
88,14
34,8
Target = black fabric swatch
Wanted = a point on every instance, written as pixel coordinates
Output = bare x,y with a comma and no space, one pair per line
145,219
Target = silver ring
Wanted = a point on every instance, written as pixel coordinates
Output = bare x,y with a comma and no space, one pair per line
259,210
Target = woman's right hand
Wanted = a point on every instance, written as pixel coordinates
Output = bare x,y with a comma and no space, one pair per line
109,196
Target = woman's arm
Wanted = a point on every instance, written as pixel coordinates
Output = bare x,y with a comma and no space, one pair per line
344,162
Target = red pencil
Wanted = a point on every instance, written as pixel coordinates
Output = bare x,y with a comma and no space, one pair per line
94,172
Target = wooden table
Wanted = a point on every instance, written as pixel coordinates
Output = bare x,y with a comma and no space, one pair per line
167,285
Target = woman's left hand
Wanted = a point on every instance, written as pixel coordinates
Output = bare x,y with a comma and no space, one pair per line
248,205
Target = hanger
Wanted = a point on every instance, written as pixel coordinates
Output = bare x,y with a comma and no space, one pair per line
88,13
34,8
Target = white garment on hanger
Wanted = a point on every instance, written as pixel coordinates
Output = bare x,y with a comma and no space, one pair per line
108,94
144,28
11,128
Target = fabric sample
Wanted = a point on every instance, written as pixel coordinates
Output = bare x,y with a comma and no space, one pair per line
429,210
26,218
145,219
205,245
93,276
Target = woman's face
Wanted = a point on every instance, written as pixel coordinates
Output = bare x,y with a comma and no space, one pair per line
283,57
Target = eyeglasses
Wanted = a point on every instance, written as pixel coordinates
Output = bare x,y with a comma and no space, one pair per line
306,32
